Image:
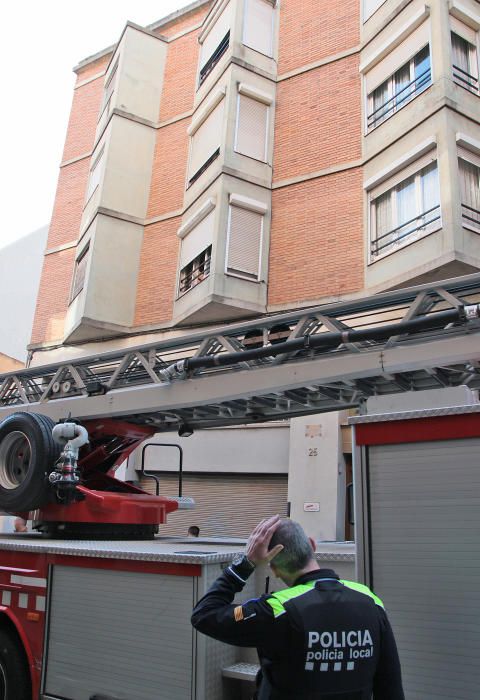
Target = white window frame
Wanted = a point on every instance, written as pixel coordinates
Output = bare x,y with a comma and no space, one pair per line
473,159
97,163
463,33
257,207
263,98
107,95
391,91
392,183
273,3
81,256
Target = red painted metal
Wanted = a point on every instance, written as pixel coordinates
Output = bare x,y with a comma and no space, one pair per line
110,507
434,428
31,628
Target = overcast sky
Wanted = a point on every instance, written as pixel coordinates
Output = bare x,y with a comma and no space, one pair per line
41,43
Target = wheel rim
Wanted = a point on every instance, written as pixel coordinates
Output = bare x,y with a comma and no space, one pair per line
15,459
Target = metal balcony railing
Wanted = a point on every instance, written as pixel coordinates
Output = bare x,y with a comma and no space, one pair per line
382,244
195,272
400,99
214,58
464,79
470,215
204,167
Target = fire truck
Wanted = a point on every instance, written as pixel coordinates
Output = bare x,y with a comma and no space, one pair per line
95,604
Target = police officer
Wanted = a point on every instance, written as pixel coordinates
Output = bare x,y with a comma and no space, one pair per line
319,639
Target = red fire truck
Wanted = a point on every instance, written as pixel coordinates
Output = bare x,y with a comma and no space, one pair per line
94,605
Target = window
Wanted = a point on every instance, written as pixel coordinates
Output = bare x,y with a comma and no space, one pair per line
245,233
465,63
205,142
108,90
196,271
96,172
369,7
401,87
469,168
258,26
214,43
79,274
405,212
252,127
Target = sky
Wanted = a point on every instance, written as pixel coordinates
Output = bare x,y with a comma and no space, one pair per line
41,43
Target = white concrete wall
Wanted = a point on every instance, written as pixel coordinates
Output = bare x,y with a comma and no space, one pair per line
262,449
20,269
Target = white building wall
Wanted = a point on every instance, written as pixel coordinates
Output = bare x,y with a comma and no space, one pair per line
20,270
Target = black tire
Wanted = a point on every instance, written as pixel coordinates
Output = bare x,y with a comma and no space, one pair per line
14,673
27,455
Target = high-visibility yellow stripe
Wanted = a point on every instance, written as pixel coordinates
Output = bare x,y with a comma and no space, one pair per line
360,588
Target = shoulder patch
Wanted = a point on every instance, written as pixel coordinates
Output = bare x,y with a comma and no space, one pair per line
238,613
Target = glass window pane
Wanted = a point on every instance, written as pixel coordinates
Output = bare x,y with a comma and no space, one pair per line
422,68
461,52
401,80
406,208
380,97
430,188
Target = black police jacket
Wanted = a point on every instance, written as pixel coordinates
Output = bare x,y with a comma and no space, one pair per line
321,639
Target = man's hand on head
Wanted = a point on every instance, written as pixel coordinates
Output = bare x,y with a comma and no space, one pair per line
257,545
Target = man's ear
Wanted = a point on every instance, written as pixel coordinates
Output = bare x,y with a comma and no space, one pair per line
313,544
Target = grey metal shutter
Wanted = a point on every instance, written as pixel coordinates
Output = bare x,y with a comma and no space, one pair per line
425,530
117,633
251,137
226,505
244,242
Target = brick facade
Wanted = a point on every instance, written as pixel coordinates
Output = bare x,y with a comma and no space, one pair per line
317,245
316,236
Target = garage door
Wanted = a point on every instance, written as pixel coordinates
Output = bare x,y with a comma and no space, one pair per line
227,505
425,534
119,634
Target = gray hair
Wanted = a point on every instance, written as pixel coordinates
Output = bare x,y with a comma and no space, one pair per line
297,550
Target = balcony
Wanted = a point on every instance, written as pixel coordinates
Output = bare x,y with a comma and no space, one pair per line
400,99
406,233
464,79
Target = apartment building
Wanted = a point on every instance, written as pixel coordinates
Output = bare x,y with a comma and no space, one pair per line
242,157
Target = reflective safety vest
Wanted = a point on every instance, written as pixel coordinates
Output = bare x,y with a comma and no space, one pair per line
336,632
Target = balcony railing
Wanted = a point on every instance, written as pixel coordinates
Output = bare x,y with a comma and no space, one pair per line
214,58
398,236
400,99
201,170
465,80
195,272
470,215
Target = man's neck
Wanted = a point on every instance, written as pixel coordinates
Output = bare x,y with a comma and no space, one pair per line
311,566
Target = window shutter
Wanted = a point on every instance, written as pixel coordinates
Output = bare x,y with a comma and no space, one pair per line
206,140
96,173
197,240
244,242
215,35
258,26
252,128
80,273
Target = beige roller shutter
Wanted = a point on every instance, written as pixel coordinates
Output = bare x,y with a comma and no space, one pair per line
244,242
398,57
216,35
251,138
258,26
227,505
206,140
197,240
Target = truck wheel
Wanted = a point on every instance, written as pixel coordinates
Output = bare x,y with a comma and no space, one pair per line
14,673
27,455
